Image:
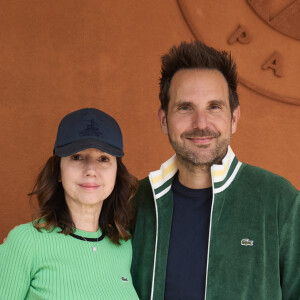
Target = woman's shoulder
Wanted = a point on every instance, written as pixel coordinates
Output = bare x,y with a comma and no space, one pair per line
19,242
22,228
26,233
21,232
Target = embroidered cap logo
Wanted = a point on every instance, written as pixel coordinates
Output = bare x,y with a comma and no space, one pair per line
91,129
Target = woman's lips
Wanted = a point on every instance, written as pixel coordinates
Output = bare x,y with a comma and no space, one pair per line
89,186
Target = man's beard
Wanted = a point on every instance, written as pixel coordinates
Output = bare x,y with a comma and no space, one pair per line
193,158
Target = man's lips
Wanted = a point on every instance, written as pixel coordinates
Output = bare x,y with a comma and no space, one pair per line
89,186
200,136
200,140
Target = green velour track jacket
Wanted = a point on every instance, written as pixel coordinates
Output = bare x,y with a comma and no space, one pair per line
254,238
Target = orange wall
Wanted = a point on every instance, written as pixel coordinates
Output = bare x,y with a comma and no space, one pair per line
57,56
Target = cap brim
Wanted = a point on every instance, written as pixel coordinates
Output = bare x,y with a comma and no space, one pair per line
83,144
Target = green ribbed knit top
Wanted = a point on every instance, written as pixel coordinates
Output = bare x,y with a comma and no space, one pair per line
50,265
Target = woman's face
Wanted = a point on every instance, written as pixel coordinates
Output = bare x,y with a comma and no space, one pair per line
88,177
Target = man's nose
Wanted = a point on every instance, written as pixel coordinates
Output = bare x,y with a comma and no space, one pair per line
200,119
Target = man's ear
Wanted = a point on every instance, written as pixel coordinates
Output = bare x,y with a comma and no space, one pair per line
162,116
235,118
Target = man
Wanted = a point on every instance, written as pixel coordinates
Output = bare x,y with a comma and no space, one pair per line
208,226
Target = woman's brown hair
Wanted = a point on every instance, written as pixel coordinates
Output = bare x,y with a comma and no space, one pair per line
116,215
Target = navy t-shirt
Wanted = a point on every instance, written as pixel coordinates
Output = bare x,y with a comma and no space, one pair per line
186,267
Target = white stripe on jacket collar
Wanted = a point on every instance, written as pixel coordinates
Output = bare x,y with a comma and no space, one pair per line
169,168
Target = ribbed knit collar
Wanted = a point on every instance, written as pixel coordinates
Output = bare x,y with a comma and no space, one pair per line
88,234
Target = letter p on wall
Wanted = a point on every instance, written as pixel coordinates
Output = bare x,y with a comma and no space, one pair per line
241,34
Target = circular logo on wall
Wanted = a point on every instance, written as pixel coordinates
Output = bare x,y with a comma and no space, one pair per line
283,16
267,57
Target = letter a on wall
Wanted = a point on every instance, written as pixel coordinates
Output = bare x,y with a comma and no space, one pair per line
274,63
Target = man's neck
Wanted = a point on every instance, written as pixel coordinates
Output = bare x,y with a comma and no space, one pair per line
196,177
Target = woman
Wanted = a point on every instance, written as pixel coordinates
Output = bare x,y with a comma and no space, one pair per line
79,246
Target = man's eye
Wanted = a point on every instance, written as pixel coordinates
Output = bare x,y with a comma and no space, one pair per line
184,108
215,106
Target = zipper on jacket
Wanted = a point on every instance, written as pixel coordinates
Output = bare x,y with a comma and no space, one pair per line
156,239
210,222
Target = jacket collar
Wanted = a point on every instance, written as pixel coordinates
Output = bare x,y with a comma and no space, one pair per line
222,174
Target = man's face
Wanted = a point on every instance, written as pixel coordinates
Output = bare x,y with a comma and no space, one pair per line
199,122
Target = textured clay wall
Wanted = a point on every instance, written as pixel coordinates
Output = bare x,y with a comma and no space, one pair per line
57,56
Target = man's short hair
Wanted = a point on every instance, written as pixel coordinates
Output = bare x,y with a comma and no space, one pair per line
197,55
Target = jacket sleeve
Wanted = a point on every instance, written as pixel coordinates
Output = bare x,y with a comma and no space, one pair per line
290,253
15,264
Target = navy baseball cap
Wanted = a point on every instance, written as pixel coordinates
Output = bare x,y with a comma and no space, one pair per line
88,128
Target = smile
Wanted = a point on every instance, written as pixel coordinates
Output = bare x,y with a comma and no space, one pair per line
89,186
200,140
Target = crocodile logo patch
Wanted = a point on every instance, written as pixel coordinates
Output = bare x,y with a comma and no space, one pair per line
246,242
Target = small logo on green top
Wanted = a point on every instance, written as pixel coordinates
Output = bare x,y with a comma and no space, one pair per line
246,242
124,279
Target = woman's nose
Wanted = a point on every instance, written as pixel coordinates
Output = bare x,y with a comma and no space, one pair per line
90,169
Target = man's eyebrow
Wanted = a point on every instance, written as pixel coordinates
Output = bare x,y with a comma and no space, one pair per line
218,101
183,102
189,103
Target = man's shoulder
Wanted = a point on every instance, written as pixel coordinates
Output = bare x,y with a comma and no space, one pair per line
263,178
144,184
144,191
143,203
259,173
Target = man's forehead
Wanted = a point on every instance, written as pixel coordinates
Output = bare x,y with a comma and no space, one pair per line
194,83
187,74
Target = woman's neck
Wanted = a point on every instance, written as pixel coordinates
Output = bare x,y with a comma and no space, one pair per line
85,218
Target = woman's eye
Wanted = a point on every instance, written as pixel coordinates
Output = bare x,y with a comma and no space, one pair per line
104,159
75,157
